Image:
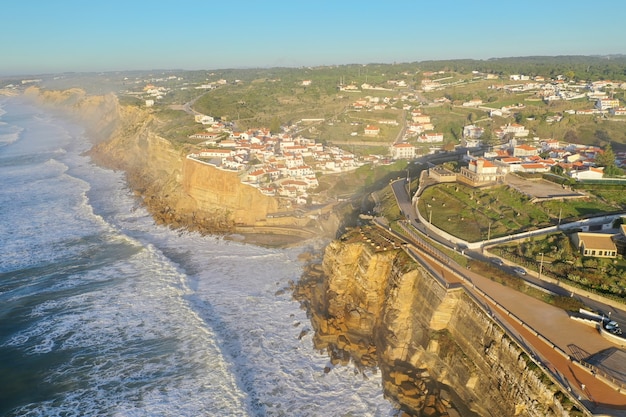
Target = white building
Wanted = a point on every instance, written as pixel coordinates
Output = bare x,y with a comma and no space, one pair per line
204,119
431,138
402,151
607,103
590,173
516,129
472,132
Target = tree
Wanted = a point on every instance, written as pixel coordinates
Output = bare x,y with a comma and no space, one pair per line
557,169
275,126
613,171
606,158
489,139
448,147
570,137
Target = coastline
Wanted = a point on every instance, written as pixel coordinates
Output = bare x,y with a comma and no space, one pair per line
177,195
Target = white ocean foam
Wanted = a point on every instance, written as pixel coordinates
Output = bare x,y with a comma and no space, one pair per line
141,330
8,138
160,322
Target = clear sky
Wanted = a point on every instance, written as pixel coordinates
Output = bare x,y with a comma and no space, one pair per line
45,36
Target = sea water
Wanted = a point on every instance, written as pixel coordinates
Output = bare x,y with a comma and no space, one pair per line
102,312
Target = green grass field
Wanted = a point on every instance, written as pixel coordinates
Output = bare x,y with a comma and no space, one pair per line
478,214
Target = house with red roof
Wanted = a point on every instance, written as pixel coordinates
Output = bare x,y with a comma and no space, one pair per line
533,168
590,173
372,130
431,138
481,172
524,150
257,175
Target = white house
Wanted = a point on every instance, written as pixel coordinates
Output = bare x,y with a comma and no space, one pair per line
516,129
216,153
402,151
473,103
607,103
525,150
204,119
430,138
590,173
472,132
371,130
256,175
481,171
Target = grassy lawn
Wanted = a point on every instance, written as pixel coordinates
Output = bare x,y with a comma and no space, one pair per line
478,214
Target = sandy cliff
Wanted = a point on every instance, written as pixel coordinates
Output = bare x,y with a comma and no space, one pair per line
178,191
438,352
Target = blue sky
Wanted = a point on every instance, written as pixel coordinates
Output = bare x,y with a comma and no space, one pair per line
41,36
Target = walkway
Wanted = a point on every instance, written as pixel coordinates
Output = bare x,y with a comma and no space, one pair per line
540,318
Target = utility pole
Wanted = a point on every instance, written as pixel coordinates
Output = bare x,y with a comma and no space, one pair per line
540,265
489,232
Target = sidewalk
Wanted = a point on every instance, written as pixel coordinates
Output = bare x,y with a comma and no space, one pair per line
568,335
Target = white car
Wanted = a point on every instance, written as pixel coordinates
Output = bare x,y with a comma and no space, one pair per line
497,261
519,270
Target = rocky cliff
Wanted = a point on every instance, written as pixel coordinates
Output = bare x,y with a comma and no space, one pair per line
439,353
178,191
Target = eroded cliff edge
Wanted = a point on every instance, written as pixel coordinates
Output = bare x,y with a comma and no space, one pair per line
178,191
439,353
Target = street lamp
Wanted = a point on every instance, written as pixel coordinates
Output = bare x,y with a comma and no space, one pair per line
540,265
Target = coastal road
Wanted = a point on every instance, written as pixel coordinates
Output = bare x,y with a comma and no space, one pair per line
404,203
540,318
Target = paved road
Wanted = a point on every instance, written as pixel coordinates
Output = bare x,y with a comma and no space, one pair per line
553,323
571,336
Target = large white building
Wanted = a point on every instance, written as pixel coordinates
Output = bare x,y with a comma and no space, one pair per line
607,103
472,132
402,151
480,172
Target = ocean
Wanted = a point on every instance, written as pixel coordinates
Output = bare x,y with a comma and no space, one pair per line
104,313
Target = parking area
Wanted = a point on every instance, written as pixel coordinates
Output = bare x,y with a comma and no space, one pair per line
540,188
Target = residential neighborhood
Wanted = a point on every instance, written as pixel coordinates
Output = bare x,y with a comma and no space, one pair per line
277,164
287,163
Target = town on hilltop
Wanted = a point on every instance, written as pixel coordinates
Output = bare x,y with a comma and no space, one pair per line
283,129
406,123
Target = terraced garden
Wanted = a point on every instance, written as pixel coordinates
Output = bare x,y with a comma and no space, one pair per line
478,214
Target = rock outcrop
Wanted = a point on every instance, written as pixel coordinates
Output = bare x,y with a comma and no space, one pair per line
439,353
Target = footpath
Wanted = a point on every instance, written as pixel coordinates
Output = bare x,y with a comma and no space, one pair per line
528,320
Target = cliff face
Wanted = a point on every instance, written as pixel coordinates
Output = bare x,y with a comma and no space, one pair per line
211,188
178,191
438,352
